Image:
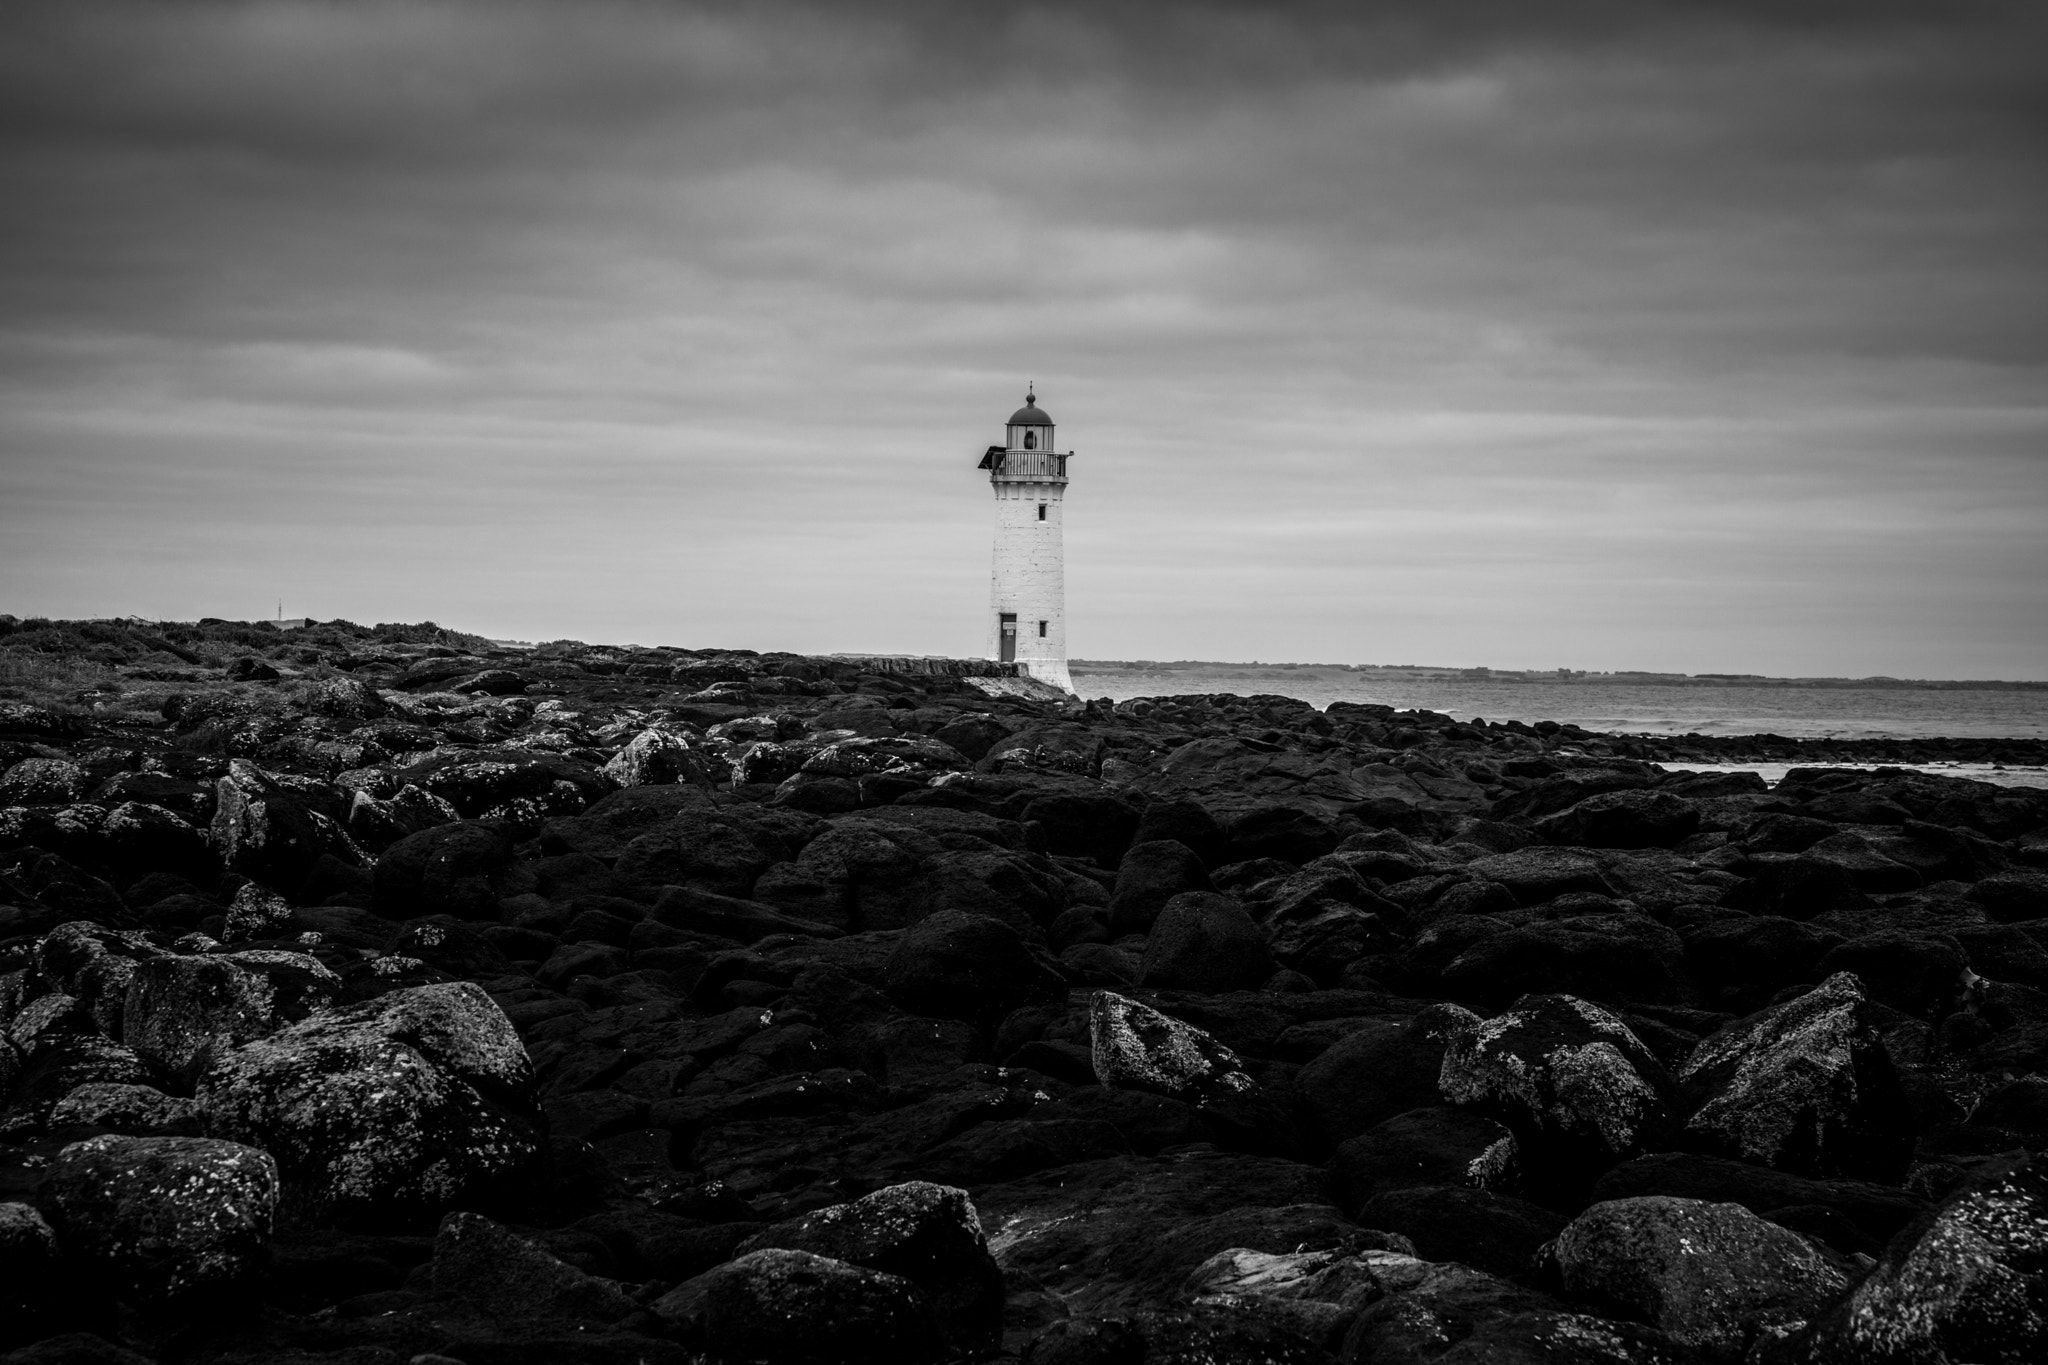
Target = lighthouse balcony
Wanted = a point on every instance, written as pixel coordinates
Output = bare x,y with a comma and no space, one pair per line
1025,466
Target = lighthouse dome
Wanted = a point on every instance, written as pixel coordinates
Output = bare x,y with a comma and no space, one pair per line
1030,415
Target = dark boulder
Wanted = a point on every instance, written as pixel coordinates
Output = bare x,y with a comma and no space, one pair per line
1187,822
445,870
955,965
1205,942
1921,974
1624,819
2013,896
1381,1068
1745,960
1083,825
1613,958
1537,875
1291,834
1715,1276
803,1308
1150,875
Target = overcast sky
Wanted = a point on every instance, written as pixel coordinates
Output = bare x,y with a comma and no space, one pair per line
1687,336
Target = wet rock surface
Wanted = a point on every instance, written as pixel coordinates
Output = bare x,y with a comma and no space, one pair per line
373,995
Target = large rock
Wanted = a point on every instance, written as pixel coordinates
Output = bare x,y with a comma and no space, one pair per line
1968,1282
1715,1276
1150,875
803,1308
928,1234
179,1011
1135,1047
264,831
954,965
378,1111
1624,819
1805,1086
1205,942
44,782
657,757
164,1218
1579,1089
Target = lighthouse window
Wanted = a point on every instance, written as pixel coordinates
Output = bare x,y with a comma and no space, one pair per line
1031,440
1041,511
1041,630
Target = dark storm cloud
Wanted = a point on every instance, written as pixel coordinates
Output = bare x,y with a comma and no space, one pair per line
1495,304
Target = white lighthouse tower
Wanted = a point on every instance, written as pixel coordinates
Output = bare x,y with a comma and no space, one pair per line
1028,583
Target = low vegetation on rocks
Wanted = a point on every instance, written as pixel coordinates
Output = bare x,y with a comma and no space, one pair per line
373,995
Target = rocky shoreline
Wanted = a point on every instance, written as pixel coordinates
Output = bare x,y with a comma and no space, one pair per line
379,995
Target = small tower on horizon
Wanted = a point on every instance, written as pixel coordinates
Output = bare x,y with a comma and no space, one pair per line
1028,577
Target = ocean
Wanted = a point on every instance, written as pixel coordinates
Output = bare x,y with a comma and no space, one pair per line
1634,708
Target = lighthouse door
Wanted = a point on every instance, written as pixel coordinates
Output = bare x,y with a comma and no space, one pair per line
1008,620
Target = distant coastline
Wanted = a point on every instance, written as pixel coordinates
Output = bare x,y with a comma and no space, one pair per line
1281,672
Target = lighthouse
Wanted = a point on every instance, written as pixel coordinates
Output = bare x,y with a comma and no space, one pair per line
1027,604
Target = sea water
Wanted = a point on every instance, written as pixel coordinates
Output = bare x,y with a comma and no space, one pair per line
1853,713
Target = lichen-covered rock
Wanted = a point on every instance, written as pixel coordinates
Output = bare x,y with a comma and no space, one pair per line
805,1309
43,782
410,1101
262,830
1967,1282
1579,1089
1715,1276
126,1108
495,1271
165,1218
181,1009
1135,1047
256,912
1805,1086
928,1234
656,757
